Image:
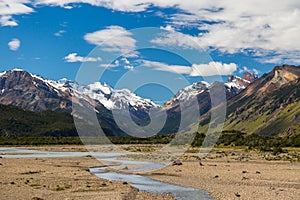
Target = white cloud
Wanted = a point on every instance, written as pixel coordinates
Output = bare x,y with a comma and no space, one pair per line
174,38
7,21
15,7
59,33
246,69
113,39
268,26
213,69
210,69
126,6
255,71
166,67
235,26
111,65
9,8
73,57
279,57
128,67
267,40
121,62
14,44
269,33
125,60
243,69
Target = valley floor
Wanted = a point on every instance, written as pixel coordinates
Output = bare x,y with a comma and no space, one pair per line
226,174
61,178
237,174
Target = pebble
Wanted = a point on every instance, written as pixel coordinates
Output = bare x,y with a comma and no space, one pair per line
177,162
237,194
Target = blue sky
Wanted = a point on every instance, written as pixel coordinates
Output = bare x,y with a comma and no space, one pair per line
54,38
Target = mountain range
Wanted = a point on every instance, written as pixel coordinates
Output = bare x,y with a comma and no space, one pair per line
267,105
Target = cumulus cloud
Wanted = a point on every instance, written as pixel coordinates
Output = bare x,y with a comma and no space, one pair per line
174,38
246,69
228,26
14,44
7,21
213,69
16,7
126,6
234,26
279,57
9,8
269,33
113,39
73,57
268,26
209,69
121,62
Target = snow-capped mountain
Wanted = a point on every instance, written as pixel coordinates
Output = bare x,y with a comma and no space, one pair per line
273,100
188,93
18,85
32,85
236,84
192,90
201,92
35,93
233,86
116,99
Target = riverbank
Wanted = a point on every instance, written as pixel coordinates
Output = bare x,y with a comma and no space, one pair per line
226,173
237,174
62,178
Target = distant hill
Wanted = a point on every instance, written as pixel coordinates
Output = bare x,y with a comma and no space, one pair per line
16,122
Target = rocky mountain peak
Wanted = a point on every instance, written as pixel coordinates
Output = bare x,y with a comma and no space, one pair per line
32,92
237,84
284,74
249,77
15,78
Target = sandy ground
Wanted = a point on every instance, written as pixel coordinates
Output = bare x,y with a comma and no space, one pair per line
61,178
226,176
225,173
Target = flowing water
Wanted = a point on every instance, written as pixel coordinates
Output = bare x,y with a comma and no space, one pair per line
137,181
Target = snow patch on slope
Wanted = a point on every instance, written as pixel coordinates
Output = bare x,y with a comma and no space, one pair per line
236,83
2,73
116,99
192,91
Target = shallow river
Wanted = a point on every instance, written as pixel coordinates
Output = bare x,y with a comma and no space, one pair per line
140,182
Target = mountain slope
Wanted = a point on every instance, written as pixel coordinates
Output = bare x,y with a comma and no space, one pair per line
16,122
201,92
269,106
34,93
20,88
